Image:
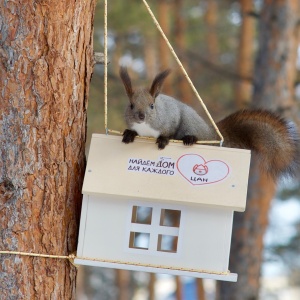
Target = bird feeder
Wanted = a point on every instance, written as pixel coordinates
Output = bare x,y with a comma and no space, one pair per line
167,211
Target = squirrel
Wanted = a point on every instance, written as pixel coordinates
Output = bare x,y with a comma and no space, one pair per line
273,139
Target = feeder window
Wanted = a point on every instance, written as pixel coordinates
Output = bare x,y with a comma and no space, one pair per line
167,243
170,217
154,229
139,240
141,215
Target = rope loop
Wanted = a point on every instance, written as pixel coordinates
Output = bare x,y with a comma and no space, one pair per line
177,60
71,257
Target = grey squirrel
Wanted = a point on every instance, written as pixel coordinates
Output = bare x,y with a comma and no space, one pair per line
150,113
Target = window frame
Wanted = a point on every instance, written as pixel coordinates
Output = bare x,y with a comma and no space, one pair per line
155,229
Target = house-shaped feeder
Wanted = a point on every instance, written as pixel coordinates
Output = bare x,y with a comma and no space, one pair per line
167,211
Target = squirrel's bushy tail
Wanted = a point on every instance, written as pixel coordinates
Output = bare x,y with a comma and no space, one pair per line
274,140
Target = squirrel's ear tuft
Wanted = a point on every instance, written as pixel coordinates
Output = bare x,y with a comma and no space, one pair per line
158,82
126,81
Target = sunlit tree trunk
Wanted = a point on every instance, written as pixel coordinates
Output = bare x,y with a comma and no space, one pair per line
245,62
178,291
151,286
212,42
275,68
151,57
123,284
200,289
80,288
184,90
46,65
211,20
164,52
116,55
274,76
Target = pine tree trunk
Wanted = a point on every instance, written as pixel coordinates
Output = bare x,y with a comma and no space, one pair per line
185,92
151,54
151,286
275,68
273,89
211,18
200,289
179,288
164,52
45,57
245,63
212,42
123,284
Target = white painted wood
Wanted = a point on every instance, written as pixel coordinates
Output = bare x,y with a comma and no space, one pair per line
154,229
107,172
202,239
83,220
228,277
207,184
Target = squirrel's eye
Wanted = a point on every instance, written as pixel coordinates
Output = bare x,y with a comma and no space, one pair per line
131,106
152,105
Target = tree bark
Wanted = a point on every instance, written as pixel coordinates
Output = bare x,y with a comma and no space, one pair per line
164,52
273,89
123,284
151,286
179,290
245,60
185,91
211,20
151,55
46,65
275,68
211,40
200,289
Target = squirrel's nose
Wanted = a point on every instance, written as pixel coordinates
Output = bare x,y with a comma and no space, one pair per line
141,116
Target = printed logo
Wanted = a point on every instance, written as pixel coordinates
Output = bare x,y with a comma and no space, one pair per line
162,166
197,171
200,169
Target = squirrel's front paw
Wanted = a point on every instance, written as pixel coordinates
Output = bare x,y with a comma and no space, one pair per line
128,136
189,140
162,142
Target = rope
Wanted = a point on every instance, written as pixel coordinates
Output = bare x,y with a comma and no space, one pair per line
173,141
184,72
71,258
105,66
180,65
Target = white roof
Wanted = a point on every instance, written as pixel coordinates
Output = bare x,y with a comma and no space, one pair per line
196,174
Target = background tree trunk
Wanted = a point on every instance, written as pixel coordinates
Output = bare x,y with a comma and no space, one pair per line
179,288
211,22
211,17
164,52
275,68
200,289
123,283
151,286
150,53
185,92
245,63
45,56
274,77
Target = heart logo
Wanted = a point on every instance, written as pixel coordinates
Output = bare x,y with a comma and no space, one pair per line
197,171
